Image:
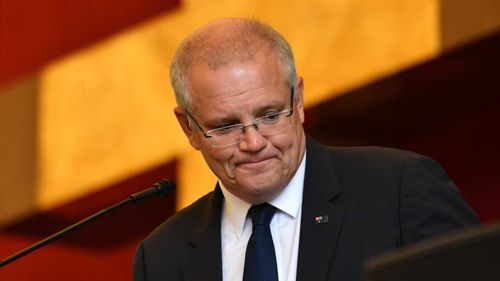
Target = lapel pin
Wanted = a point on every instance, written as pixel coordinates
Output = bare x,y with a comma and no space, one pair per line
321,219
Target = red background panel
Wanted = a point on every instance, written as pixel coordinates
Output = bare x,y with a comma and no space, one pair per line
33,32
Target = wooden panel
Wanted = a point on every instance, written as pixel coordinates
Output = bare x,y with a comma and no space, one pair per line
463,21
18,159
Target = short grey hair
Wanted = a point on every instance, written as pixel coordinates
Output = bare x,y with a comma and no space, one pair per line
236,38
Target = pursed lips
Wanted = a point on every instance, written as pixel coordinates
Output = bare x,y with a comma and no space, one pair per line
253,162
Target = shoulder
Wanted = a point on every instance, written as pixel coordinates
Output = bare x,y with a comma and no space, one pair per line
161,251
374,160
180,225
373,175
372,156
371,153
370,168
187,214
392,192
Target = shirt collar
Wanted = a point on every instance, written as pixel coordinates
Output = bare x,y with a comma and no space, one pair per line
288,201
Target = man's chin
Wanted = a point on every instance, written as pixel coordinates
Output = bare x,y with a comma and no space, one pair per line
262,187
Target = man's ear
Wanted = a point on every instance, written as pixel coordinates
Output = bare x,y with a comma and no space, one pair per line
299,98
188,131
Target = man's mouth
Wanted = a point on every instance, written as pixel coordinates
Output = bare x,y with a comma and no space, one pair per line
254,163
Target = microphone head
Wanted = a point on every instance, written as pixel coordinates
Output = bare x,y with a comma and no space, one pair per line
165,187
161,188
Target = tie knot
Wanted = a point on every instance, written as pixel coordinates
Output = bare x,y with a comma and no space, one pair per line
261,214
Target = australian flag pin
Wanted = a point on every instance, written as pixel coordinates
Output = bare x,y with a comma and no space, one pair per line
321,219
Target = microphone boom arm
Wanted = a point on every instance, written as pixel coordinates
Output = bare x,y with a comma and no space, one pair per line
161,188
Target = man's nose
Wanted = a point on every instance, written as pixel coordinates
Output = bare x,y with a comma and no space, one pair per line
252,139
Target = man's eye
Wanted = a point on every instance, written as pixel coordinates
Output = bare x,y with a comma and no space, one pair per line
225,130
271,117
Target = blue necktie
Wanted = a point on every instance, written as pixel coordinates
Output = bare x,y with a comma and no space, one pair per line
260,258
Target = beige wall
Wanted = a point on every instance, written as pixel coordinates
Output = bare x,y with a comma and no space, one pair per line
104,113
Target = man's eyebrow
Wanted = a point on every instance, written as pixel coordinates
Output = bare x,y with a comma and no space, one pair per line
274,105
224,121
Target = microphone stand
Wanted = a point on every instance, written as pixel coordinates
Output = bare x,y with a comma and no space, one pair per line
161,188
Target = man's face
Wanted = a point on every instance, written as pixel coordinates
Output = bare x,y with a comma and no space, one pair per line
258,167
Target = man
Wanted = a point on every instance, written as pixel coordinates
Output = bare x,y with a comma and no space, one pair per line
241,104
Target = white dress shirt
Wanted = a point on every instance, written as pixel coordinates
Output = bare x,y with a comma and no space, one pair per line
236,229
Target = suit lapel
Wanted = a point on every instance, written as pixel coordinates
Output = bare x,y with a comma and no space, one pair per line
204,262
322,199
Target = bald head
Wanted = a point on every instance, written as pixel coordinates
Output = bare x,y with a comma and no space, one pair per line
221,42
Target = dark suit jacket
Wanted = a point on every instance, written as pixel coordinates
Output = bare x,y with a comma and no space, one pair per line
376,199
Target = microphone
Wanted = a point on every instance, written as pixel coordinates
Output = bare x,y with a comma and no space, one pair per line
162,188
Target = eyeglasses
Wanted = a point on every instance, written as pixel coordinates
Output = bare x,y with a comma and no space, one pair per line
269,124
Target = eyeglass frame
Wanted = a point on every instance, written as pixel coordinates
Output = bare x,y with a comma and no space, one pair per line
256,126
